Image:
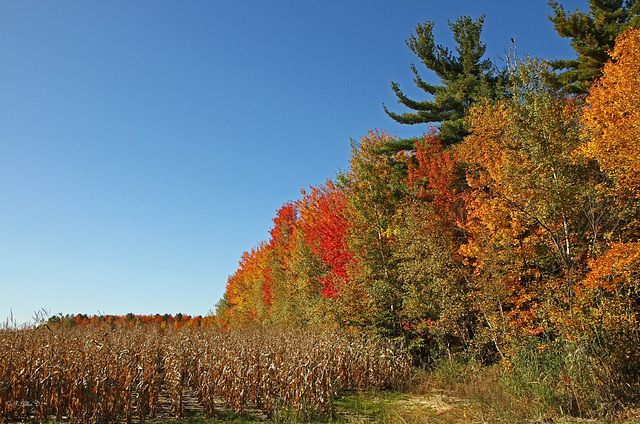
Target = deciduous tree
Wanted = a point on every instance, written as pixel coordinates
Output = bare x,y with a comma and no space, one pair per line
375,187
528,231
436,314
613,114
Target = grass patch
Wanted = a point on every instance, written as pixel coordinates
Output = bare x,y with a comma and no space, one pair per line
220,417
385,407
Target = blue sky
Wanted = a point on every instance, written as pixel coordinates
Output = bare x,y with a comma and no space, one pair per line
144,145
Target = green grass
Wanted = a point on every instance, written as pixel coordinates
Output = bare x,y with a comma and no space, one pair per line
383,407
221,417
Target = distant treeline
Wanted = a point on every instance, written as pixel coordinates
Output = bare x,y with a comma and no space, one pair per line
178,320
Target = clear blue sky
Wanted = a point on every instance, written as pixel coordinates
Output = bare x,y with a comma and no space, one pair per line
144,145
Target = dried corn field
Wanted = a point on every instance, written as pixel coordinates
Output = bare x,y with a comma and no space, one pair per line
116,374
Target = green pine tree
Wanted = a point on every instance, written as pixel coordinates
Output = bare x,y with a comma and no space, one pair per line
465,78
592,36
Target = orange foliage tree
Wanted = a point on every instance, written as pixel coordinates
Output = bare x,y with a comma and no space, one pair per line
529,233
245,292
606,321
614,113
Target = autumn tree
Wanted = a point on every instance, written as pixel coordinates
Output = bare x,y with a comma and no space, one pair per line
592,36
436,316
375,188
608,301
614,113
298,297
531,208
465,78
326,229
607,322
276,285
261,291
247,294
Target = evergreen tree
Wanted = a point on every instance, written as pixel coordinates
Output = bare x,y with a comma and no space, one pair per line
465,78
593,36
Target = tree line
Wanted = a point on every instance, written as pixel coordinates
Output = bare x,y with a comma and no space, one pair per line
509,232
